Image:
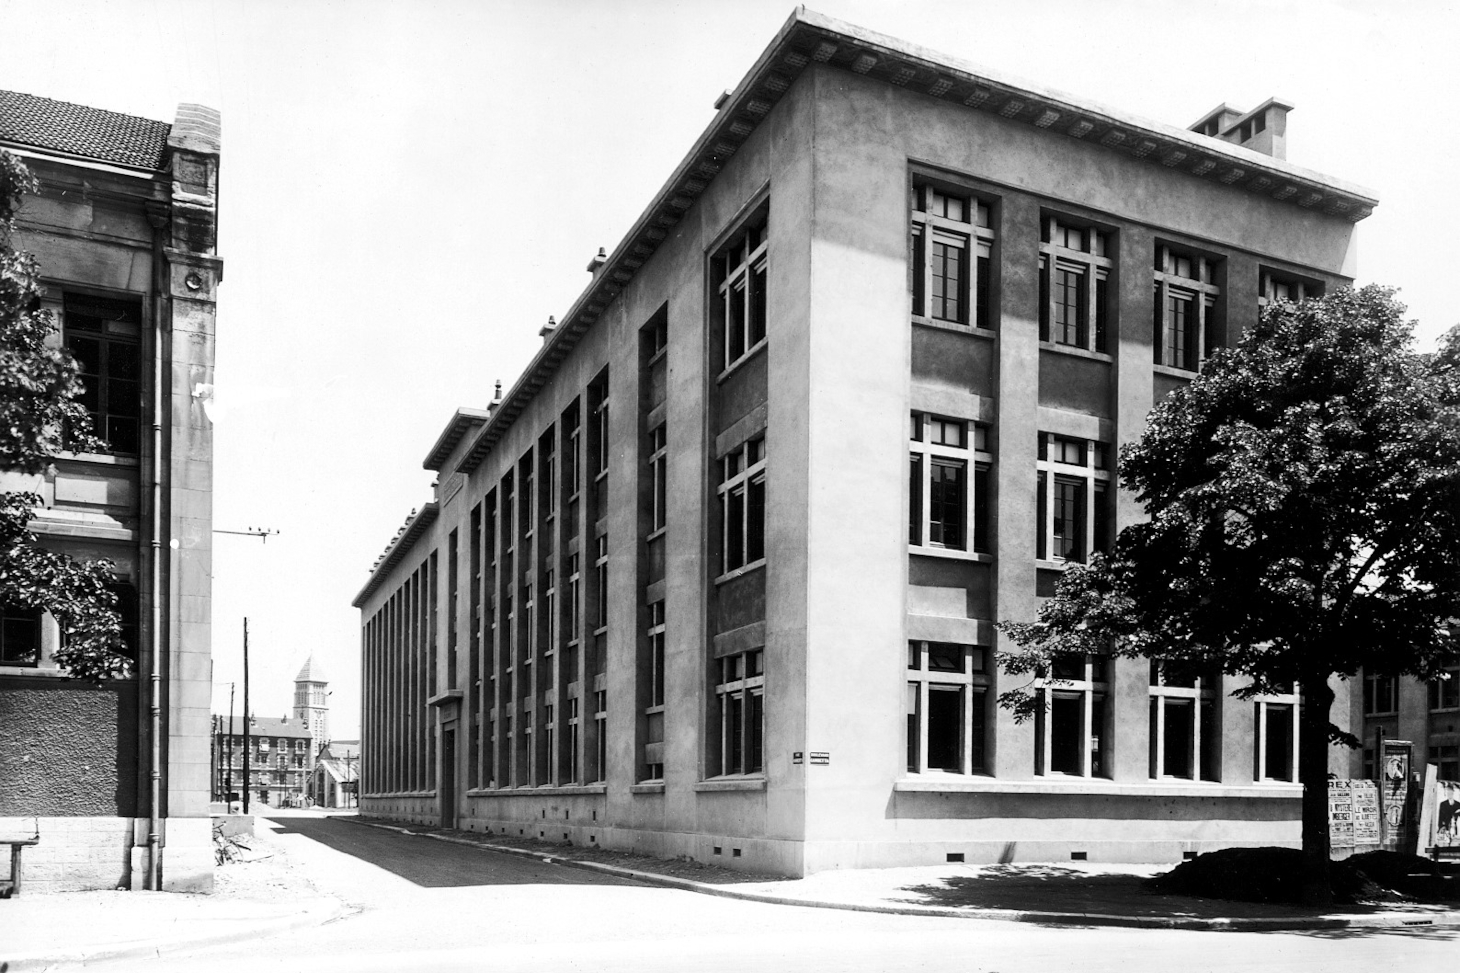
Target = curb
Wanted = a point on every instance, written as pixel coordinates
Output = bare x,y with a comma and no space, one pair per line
152,949
1391,920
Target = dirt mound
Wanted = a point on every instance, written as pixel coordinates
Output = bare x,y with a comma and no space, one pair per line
1261,875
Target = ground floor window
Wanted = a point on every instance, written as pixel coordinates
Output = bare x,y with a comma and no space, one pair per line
1070,730
1185,741
1277,736
740,712
1447,758
20,636
947,708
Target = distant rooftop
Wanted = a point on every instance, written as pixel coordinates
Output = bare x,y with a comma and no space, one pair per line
107,136
312,672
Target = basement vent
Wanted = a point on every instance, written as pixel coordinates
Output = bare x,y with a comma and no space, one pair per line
1079,856
955,856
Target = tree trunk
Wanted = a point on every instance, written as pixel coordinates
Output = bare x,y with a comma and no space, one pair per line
1313,773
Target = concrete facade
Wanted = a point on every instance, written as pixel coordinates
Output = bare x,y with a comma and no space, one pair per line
124,229
679,592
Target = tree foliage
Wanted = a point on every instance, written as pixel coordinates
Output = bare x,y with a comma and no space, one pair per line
1303,504
40,417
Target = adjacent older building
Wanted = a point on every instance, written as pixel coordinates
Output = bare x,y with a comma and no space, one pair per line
114,778
717,577
280,760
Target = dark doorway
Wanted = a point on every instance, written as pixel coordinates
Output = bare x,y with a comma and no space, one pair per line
447,794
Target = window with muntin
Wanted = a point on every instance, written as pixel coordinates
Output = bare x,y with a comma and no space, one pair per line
1072,502
952,256
1184,320
1075,263
948,484
947,708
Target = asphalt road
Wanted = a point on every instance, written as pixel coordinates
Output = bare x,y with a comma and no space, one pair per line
426,905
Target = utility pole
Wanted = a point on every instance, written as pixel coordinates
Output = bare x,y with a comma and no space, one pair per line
228,793
246,781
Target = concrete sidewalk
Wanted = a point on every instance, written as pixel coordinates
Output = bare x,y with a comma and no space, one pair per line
1066,893
259,896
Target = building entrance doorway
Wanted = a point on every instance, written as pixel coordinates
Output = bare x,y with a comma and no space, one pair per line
447,795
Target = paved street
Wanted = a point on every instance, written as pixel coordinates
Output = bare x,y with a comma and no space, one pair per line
429,905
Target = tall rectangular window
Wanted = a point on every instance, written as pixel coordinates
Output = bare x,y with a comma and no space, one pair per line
20,636
742,505
738,280
1074,270
952,256
740,708
1381,694
947,708
654,694
1276,755
658,475
1444,692
1070,728
1185,327
1184,732
948,484
1071,498
104,336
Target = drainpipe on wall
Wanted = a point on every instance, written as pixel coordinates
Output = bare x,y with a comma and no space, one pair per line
159,298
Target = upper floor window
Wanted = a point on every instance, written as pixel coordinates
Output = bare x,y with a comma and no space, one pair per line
1074,295
1381,694
658,477
742,505
948,484
1445,692
952,256
1184,325
738,276
105,338
1277,286
1072,498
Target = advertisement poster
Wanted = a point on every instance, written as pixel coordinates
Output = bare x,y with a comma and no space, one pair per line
1365,812
1341,813
1447,813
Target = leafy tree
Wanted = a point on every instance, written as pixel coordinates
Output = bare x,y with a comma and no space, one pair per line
39,418
1303,496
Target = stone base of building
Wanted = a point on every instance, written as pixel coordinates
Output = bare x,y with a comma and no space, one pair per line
1131,829
84,853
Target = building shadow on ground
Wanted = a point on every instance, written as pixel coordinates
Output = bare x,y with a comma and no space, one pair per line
436,864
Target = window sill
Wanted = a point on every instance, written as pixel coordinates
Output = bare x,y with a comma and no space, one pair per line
740,362
951,554
1072,350
102,459
1174,372
647,787
936,325
1044,564
956,783
1387,714
720,784
740,571
543,790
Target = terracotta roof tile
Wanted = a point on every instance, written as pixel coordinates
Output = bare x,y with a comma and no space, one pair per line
107,136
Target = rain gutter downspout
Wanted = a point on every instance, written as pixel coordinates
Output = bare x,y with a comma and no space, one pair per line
160,346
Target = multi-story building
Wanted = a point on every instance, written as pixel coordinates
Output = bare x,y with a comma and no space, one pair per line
1424,714
115,777
280,760
718,576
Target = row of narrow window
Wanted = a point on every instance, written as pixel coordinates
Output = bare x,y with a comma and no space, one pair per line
952,275
949,711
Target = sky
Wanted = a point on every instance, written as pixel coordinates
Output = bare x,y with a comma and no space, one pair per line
409,189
